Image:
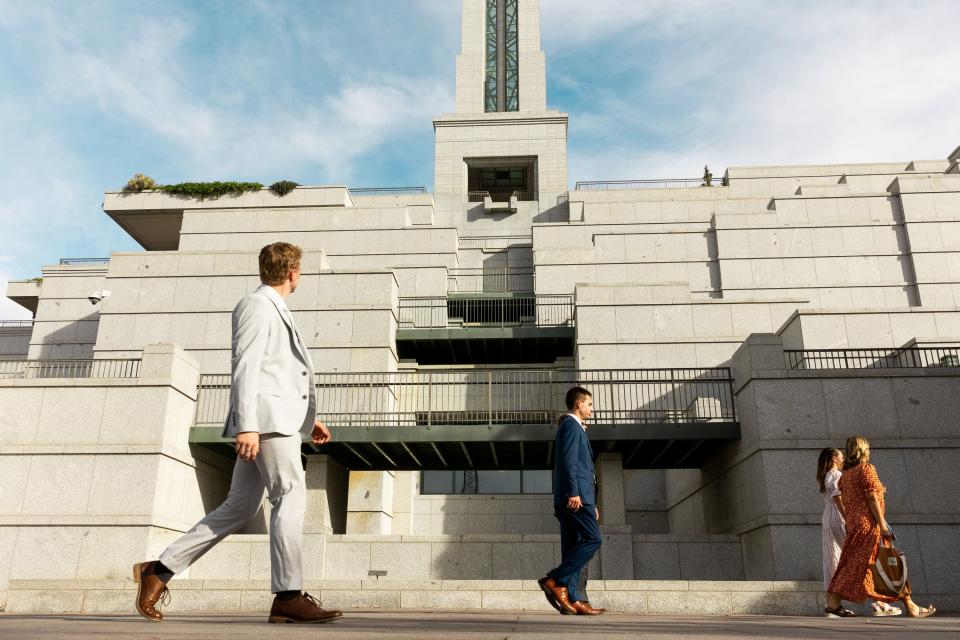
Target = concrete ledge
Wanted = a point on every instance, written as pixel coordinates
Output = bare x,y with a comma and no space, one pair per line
243,596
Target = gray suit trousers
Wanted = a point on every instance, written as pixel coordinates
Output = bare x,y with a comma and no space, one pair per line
277,473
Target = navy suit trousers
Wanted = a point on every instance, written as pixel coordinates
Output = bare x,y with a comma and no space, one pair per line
579,541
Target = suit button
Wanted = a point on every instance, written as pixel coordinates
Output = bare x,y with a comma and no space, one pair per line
304,373
304,397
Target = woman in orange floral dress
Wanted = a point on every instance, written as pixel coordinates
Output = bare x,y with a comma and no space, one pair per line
864,512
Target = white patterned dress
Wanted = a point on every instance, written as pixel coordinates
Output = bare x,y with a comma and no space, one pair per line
834,532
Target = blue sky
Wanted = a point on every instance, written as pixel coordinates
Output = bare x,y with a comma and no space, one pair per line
327,91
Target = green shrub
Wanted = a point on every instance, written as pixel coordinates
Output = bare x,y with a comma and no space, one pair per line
211,190
283,187
140,182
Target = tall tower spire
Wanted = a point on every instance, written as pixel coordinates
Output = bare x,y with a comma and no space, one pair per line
501,147
501,67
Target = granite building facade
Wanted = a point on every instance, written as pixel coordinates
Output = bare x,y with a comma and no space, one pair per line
729,327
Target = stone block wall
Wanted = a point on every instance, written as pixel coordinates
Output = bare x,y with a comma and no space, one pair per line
762,487
97,472
66,323
15,342
824,241
499,514
347,318
654,326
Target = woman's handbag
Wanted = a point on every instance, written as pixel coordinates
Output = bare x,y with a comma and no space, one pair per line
889,571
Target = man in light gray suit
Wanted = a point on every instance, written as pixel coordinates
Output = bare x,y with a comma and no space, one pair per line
272,400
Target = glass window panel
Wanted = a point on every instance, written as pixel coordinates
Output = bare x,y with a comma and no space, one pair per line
537,481
498,481
471,482
490,82
432,482
511,57
465,482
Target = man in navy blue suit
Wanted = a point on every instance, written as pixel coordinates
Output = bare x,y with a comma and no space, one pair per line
575,506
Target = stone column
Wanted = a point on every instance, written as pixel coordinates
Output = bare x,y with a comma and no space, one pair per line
370,502
760,353
616,554
404,490
327,484
610,480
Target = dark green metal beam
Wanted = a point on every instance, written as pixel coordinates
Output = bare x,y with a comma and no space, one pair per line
484,333
509,433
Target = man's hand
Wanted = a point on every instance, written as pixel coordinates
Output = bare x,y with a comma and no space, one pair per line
574,503
320,433
598,513
247,445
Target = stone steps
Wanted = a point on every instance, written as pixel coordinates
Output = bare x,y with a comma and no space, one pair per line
685,597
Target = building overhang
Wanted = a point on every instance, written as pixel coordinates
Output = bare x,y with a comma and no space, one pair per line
153,218
25,293
687,445
486,345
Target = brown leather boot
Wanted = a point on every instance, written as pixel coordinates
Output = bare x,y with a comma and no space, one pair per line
584,609
304,609
557,596
150,591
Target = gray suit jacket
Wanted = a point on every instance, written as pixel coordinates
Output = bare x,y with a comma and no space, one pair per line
272,388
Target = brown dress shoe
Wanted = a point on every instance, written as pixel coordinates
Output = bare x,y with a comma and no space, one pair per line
304,609
547,585
584,609
150,591
557,596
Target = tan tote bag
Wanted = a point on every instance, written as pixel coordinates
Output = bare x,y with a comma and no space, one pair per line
889,571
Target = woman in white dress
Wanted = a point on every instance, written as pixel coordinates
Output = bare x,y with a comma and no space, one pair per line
834,532
829,465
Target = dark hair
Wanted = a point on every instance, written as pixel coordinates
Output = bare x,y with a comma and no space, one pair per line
277,260
824,464
575,395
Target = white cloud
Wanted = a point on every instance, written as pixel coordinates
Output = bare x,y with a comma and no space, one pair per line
139,76
813,83
141,83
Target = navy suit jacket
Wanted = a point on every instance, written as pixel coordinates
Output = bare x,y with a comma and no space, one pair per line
573,473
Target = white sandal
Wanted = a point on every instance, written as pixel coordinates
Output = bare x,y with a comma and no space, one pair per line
884,609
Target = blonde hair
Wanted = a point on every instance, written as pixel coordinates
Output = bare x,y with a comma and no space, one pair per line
857,451
277,260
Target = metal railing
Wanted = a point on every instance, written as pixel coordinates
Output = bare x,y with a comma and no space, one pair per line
493,243
48,369
388,191
493,280
501,196
502,396
537,311
8,324
907,358
663,183
81,261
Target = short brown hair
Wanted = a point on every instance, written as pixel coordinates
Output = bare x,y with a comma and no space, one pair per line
575,395
277,260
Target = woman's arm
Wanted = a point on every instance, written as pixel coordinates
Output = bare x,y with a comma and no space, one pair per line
838,500
874,502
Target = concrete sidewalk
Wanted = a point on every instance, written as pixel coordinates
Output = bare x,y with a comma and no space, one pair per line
419,625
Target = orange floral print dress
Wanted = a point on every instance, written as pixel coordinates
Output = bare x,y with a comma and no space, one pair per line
853,580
